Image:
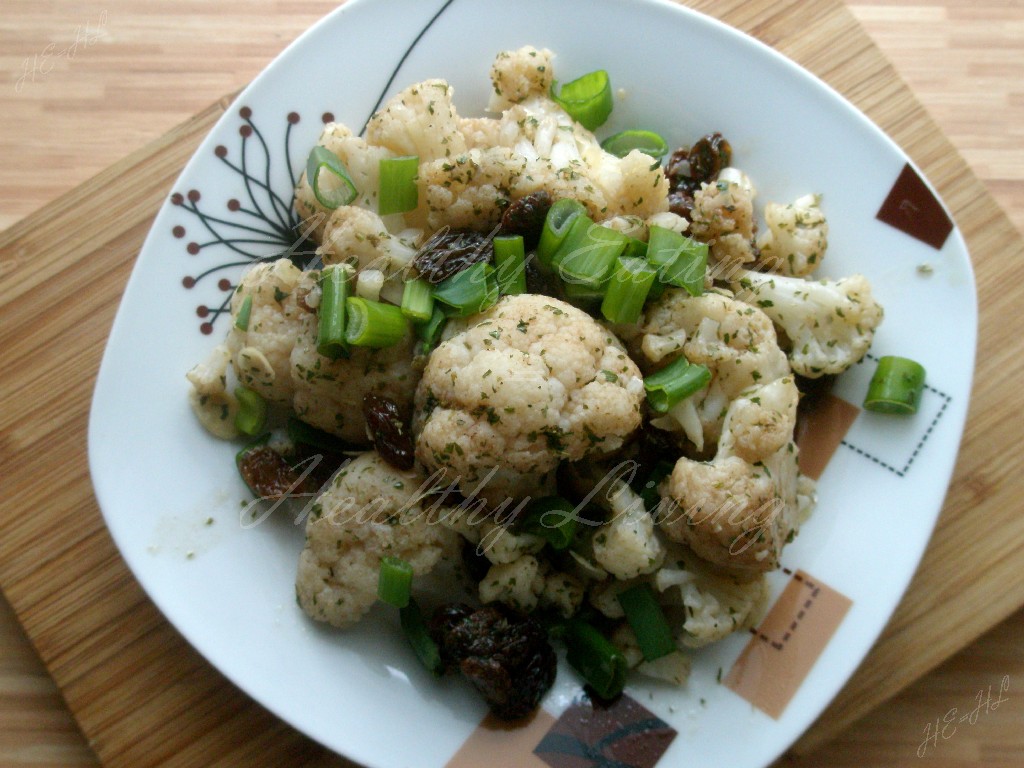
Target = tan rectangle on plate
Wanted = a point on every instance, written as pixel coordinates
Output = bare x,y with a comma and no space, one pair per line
782,651
500,745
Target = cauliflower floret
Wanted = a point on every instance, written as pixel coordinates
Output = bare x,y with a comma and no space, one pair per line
358,237
480,132
723,215
518,75
739,509
735,341
531,382
716,602
262,350
359,158
830,323
329,393
562,592
796,239
370,510
468,190
420,121
518,584
627,546
214,406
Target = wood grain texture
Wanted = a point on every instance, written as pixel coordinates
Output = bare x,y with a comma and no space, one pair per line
125,89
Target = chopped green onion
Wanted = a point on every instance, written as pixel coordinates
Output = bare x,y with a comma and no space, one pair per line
652,630
418,300
896,386
553,519
430,332
559,220
627,290
334,189
252,411
334,291
510,264
585,297
677,380
472,290
415,629
680,260
301,433
648,142
398,191
244,311
591,654
373,323
587,254
394,582
587,99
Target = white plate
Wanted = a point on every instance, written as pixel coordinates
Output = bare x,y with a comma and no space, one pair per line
229,590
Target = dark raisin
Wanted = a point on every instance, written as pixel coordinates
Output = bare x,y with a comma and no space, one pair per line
269,475
538,281
680,202
391,437
525,217
504,654
450,251
477,564
708,156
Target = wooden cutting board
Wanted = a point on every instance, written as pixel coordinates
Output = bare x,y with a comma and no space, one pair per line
143,697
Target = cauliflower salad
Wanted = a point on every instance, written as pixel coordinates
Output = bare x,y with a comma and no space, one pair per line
565,369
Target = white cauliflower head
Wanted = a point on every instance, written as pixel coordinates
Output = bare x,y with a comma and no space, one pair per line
723,216
329,393
716,602
739,509
421,121
273,292
370,510
358,237
211,402
796,239
518,75
627,545
531,382
830,324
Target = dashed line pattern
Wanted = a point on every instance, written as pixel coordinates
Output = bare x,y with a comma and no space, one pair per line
815,590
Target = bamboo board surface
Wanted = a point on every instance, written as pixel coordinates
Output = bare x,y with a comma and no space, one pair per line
143,697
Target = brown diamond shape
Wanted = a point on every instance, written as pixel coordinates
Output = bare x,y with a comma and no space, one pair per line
913,209
621,733
823,422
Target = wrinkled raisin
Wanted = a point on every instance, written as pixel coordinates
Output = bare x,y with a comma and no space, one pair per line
269,475
450,251
525,217
709,156
505,655
391,437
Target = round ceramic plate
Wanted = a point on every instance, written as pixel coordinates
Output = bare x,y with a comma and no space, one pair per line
174,505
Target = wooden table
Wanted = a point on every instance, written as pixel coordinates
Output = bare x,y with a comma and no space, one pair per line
69,110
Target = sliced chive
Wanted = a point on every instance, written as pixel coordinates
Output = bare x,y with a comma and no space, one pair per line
624,142
510,264
430,332
557,222
244,312
635,249
587,254
373,323
594,656
331,184
627,290
398,191
415,629
681,261
553,519
652,630
587,99
251,418
676,381
583,296
472,290
334,292
418,300
394,581
896,386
